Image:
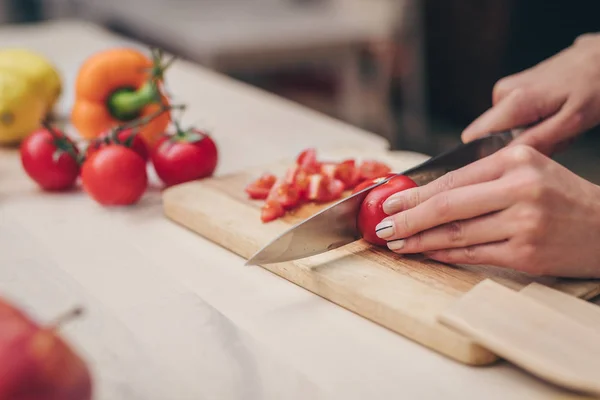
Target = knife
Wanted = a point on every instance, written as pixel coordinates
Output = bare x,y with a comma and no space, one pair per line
335,226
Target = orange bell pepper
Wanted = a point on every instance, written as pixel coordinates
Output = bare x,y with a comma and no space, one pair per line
120,85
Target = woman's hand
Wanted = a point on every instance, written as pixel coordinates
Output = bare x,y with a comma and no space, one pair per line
516,209
558,98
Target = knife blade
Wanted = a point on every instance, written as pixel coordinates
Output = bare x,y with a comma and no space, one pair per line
335,226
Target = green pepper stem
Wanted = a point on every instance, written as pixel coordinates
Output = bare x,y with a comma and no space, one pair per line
125,104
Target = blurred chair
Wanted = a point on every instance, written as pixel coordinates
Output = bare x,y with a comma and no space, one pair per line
236,36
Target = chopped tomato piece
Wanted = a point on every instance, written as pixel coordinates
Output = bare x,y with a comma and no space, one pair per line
371,169
329,169
285,194
259,189
298,178
271,210
307,160
345,171
370,182
318,187
336,188
348,173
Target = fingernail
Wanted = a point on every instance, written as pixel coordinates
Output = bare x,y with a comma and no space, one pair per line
393,204
395,244
385,228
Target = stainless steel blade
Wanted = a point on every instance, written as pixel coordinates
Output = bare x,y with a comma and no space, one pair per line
335,226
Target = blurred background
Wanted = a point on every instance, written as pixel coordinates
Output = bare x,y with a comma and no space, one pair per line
414,71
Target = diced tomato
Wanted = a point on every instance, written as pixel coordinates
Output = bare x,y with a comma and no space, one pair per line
259,189
285,194
370,182
345,171
318,188
271,210
336,188
348,174
307,161
298,178
371,169
329,169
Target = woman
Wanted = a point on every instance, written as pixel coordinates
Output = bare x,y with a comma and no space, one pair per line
516,208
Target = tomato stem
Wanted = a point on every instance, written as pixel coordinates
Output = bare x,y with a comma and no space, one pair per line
148,118
65,317
63,144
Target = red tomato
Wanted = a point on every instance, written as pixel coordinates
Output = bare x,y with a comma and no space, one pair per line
260,188
50,159
307,160
371,169
271,210
322,188
345,171
298,178
370,182
115,175
285,194
371,211
336,188
126,137
185,156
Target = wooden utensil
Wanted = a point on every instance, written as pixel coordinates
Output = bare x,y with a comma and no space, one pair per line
404,294
550,334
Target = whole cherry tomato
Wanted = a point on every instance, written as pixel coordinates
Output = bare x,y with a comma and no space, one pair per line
371,211
126,137
184,156
115,175
50,158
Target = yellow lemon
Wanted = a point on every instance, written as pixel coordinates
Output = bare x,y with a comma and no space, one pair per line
21,108
38,69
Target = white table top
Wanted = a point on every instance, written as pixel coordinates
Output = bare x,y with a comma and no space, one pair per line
173,316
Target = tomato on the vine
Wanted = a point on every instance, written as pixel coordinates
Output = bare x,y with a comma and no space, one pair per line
50,158
115,175
126,137
184,156
371,210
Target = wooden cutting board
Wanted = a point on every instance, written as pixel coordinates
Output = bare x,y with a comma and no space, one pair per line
403,294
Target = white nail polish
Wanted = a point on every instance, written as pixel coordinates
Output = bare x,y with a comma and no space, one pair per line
395,244
384,229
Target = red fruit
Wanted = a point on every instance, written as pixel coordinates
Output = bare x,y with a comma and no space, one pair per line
336,188
284,194
370,182
127,137
298,178
260,188
50,158
115,175
371,211
319,188
307,161
346,171
271,210
371,169
184,156
36,363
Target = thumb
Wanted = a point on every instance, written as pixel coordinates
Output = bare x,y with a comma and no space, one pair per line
519,108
